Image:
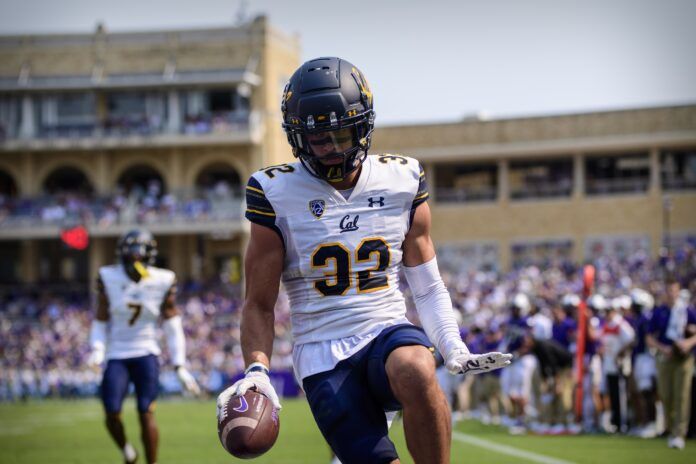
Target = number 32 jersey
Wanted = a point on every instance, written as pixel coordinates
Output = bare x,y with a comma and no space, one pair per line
134,310
342,255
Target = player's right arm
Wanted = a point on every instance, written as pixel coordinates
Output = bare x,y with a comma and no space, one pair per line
263,266
97,335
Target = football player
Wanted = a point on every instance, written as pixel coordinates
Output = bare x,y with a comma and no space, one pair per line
337,227
132,298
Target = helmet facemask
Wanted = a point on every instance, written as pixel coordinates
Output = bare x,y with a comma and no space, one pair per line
334,153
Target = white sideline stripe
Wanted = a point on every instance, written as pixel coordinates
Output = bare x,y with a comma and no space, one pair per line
504,449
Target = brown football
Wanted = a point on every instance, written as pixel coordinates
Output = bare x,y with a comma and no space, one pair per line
248,425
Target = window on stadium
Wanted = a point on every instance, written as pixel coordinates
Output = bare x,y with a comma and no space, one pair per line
8,188
67,115
456,258
135,113
142,181
610,174
65,180
10,117
541,179
542,253
678,169
466,182
215,110
10,256
219,181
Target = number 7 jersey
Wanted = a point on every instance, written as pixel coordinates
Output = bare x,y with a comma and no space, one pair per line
134,310
342,255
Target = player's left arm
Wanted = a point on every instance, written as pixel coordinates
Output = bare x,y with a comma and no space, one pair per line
433,302
176,341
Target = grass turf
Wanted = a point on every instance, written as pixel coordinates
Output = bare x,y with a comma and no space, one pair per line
73,432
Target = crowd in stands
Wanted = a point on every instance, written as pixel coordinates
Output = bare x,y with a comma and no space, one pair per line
533,313
530,311
138,205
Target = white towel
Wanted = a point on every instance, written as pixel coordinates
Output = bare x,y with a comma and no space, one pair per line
677,321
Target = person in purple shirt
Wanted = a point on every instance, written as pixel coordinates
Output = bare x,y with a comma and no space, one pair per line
488,384
672,332
564,326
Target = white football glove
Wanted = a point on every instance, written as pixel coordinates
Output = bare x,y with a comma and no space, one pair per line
460,361
96,356
257,380
188,381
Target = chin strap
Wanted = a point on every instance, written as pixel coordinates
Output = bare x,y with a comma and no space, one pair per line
140,269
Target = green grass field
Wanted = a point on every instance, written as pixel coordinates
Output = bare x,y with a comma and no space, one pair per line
73,432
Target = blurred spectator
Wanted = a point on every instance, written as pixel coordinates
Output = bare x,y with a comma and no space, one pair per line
616,339
672,332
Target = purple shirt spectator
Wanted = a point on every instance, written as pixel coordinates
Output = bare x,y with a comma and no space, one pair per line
660,322
563,331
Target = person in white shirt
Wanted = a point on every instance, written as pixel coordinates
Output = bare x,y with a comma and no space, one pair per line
616,339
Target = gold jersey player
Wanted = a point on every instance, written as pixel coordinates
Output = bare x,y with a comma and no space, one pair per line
337,227
133,296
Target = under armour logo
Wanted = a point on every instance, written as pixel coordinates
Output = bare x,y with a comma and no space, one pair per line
348,225
379,201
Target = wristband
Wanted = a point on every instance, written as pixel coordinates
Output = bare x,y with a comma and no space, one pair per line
256,367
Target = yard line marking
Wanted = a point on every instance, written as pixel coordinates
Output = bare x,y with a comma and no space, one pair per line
505,449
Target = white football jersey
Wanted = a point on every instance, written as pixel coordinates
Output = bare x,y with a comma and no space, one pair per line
134,310
342,256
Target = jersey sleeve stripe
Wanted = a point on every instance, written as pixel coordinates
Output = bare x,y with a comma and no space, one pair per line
257,203
254,189
254,211
422,193
254,184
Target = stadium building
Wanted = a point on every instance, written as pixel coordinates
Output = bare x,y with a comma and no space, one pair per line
112,130
513,192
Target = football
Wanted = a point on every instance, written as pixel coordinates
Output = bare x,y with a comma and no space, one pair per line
248,425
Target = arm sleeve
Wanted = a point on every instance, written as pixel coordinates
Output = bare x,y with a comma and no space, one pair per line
434,306
174,332
258,209
97,335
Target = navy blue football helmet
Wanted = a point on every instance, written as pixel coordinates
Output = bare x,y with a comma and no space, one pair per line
136,245
328,117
